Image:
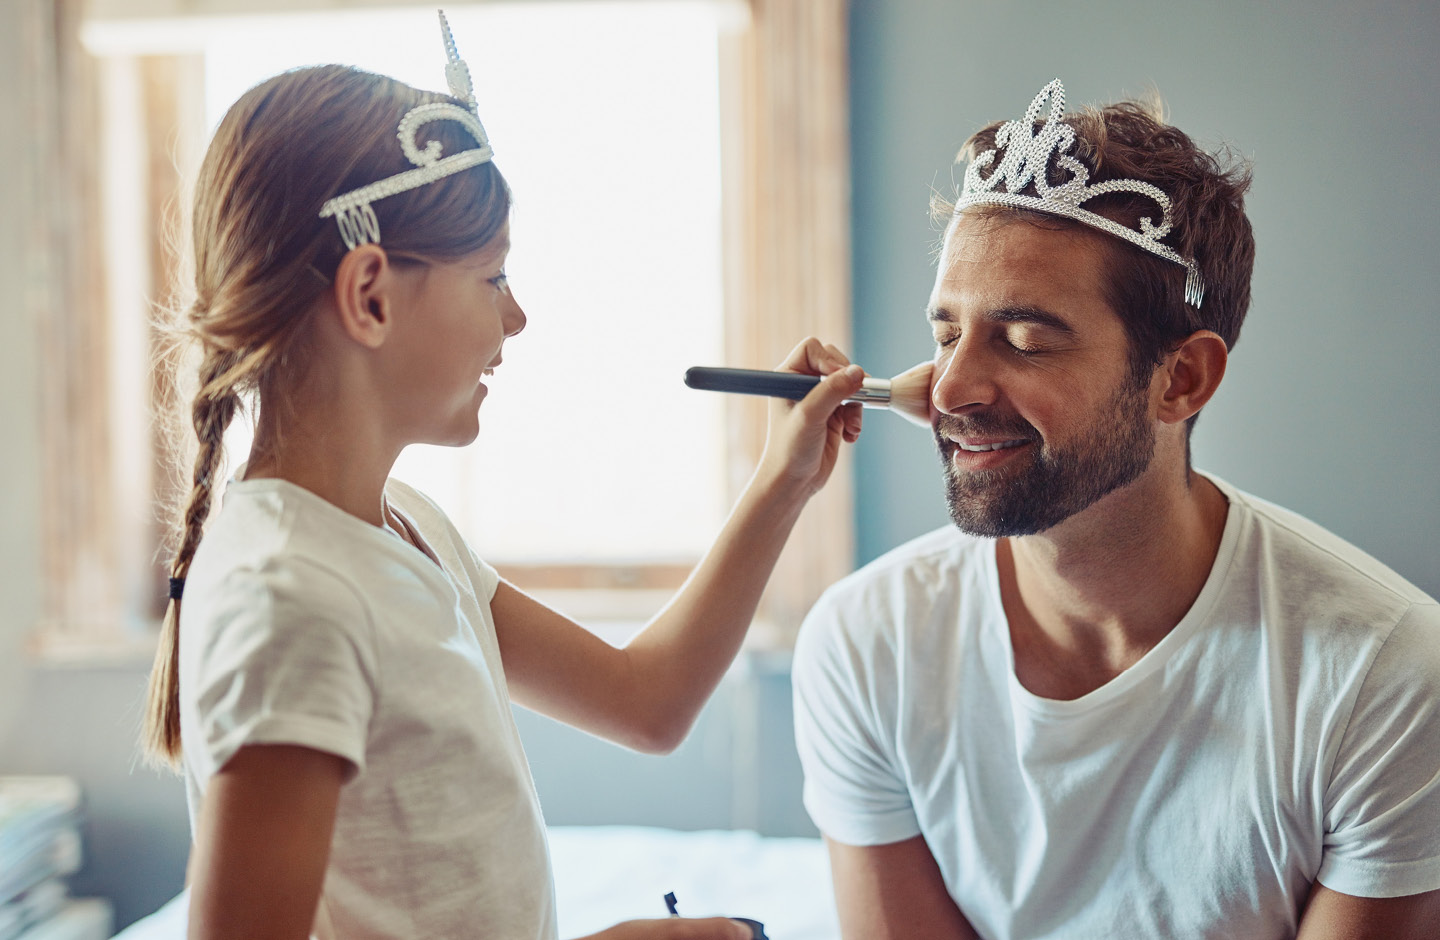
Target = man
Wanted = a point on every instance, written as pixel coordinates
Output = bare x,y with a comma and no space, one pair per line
1119,698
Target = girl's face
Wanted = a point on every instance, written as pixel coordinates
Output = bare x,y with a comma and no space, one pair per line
452,321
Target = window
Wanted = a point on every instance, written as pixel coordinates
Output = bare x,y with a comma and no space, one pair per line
642,145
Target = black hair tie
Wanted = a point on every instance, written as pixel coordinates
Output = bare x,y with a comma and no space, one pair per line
177,588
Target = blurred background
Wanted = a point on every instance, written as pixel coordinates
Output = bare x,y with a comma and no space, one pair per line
696,183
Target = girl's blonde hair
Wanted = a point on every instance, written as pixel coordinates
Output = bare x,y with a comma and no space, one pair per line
263,257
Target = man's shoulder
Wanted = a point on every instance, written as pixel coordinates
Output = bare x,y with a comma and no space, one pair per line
1303,554
906,593
926,563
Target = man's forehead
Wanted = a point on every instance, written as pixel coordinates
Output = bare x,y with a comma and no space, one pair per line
998,260
994,245
982,229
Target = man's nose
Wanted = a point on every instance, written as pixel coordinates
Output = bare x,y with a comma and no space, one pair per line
964,378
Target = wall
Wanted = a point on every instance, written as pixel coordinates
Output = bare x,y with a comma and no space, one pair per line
1329,406
737,769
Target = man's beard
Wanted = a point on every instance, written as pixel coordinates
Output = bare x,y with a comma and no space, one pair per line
1056,484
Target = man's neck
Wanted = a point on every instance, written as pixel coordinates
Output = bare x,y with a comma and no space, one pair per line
1086,599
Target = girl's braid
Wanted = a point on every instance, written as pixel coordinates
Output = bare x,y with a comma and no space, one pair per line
213,410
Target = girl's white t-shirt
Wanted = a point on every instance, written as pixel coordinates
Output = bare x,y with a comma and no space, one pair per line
302,624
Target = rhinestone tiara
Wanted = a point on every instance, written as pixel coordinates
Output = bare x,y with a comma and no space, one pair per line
352,211
1027,159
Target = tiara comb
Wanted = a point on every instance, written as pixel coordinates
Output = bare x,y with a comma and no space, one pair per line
1026,160
352,211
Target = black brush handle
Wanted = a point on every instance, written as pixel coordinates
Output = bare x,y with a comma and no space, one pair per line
789,385
757,929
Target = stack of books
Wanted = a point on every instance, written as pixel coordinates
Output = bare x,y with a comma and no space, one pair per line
39,848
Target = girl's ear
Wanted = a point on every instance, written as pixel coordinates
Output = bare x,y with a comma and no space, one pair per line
1192,374
363,291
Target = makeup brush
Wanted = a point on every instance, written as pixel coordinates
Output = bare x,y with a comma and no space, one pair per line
907,394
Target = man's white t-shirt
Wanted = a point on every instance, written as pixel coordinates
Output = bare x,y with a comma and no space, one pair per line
302,624
1287,730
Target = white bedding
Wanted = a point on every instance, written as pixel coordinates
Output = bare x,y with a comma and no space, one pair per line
606,874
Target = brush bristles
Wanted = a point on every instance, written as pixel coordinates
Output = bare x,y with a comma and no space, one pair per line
910,393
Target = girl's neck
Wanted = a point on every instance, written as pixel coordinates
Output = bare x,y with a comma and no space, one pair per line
325,427
343,464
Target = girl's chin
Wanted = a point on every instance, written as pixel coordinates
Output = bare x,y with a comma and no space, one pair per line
462,430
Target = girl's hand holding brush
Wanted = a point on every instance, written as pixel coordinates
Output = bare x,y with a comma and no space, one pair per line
907,394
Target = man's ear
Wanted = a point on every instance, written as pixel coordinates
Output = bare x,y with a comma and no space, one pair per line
1190,375
363,288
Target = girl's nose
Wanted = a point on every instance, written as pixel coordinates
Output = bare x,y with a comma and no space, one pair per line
512,318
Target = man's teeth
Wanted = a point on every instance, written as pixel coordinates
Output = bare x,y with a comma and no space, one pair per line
979,448
487,372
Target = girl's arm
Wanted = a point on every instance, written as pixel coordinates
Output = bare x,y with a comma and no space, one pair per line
262,843
647,695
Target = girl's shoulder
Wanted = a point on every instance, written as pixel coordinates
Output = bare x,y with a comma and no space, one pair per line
416,506
455,553
428,517
271,536
276,517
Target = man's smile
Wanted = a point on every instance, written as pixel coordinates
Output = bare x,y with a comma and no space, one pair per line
981,447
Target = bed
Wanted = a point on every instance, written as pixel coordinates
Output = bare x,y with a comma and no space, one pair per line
606,874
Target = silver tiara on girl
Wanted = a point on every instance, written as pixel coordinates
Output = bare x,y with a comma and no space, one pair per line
1027,159
352,211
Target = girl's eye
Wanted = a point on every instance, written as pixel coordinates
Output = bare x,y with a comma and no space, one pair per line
500,281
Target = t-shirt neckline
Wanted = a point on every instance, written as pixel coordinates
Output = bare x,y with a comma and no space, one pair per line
1157,656
383,537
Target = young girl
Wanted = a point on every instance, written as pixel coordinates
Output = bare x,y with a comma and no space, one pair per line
342,671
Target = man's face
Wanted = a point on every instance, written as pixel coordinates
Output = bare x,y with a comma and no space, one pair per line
1035,413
